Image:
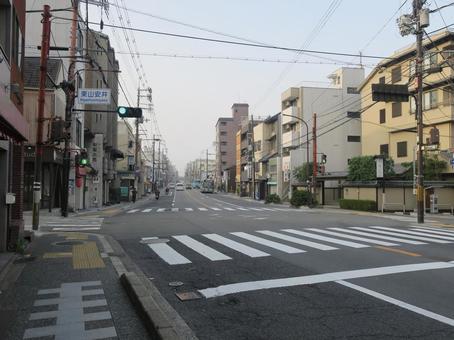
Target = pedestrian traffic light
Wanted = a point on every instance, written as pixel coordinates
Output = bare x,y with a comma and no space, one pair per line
83,158
323,158
129,112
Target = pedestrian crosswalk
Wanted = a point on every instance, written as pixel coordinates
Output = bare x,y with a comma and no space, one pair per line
178,249
217,209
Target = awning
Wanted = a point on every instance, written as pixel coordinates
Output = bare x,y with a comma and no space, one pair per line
12,117
116,154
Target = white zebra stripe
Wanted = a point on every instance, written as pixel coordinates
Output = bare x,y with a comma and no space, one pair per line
383,237
168,254
357,238
268,243
132,211
325,238
421,238
202,249
297,240
242,248
418,233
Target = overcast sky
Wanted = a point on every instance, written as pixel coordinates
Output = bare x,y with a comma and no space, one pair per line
189,95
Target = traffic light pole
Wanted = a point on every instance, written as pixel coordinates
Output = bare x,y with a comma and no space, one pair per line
136,154
314,156
417,6
41,101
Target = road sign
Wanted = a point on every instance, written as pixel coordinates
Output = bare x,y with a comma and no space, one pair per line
94,96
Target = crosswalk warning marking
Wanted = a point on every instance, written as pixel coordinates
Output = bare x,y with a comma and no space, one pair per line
216,209
357,238
297,240
382,237
147,210
188,209
202,249
421,238
242,248
133,211
268,243
325,238
203,209
229,209
161,210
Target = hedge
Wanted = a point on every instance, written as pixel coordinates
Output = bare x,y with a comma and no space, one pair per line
363,205
273,198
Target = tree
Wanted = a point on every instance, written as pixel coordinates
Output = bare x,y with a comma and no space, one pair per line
363,168
301,173
433,168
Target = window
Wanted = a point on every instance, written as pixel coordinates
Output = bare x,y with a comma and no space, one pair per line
384,149
396,75
5,27
130,144
223,133
412,68
352,90
223,143
401,149
412,105
430,100
223,153
80,40
396,110
382,116
353,114
448,52
355,139
448,98
16,46
224,163
430,60
79,82
223,123
258,146
381,80
78,132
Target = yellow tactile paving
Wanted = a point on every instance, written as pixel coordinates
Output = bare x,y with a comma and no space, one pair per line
56,255
76,236
86,256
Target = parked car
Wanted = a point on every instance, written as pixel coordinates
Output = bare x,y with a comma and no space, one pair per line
179,187
188,186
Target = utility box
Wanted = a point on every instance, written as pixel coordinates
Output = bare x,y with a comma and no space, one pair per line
433,204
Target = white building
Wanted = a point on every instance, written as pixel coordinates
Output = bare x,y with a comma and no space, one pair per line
338,127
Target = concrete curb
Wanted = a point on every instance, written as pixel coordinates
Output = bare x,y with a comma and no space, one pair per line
159,317
5,269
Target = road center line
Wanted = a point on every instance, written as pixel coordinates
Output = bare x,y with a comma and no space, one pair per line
320,278
399,303
398,251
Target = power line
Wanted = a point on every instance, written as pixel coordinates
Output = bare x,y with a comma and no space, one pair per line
229,42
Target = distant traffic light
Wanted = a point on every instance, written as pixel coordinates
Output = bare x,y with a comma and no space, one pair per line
129,112
83,158
323,158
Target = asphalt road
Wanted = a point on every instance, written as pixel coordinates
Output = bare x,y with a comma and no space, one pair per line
271,272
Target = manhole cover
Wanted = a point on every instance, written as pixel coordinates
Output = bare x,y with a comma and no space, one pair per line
176,284
68,243
186,296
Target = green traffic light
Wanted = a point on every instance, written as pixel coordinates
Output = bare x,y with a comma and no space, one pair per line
83,161
122,110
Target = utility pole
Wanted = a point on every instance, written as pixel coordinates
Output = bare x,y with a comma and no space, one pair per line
69,93
314,155
136,151
253,156
45,41
152,167
417,6
206,164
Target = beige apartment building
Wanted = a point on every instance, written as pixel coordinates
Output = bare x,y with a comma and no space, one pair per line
390,128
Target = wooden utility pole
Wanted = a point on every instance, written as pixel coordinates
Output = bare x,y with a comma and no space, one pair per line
45,41
136,153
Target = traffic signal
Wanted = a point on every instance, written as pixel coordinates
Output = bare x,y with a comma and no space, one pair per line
83,158
129,112
323,158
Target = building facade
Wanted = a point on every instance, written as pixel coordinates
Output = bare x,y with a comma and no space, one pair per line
14,130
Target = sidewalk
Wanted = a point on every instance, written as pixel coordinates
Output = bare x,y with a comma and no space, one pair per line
66,288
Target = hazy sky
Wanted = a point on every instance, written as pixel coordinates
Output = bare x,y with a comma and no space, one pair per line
190,94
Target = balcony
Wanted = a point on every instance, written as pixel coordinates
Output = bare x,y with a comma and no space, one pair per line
290,94
291,139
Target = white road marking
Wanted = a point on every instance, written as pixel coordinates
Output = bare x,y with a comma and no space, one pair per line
320,278
356,238
255,209
268,243
168,254
175,209
297,240
161,210
241,208
383,237
188,209
433,231
421,238
242,248
132,211
216,209
326,238
202,249
417,233
76,229
203,209
448,232
147,210
229,209
399,303
268,209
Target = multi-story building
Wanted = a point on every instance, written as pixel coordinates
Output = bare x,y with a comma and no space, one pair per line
338,128
13,125
200,169
390,128
54,113
125,178
61,36
101,127
226,128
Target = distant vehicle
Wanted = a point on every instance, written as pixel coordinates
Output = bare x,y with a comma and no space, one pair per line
179,187
171,185
188,186
196,184
207,186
